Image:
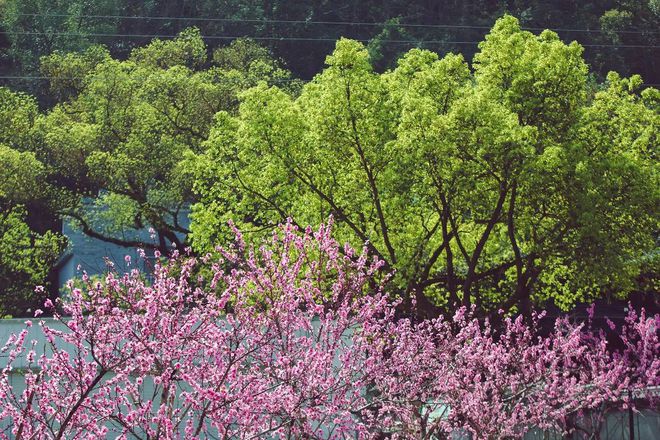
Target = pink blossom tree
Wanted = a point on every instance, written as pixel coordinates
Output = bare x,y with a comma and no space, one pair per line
296,339
463,375
256,352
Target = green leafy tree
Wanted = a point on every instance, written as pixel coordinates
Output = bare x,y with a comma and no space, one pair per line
630,23
503,186
188,49
30,245
34,28
67,71
18,113
26,260
26,256
622,34
116,145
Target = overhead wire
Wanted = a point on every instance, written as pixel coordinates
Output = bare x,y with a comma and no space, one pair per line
310,39
224,37
276,80
272,80
318,22
293,38
72,78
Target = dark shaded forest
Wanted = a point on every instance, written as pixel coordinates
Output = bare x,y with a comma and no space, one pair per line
620,35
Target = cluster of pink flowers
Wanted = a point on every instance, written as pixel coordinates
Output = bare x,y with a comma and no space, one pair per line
463,375
296,339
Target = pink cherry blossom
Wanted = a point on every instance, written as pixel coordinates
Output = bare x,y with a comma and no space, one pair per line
299,339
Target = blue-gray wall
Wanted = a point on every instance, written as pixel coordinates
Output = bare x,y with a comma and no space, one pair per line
90,253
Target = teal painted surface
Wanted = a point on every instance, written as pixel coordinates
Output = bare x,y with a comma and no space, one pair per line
90,254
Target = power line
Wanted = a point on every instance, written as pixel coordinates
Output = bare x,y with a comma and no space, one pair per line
226,37
313,22
314,39
72,78
274,80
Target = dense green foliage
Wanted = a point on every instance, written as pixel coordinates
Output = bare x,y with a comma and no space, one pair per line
500,186
303,32
26,256
512,181
108,155
123,128
26,259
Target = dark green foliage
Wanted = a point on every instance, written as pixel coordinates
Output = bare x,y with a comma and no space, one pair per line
26,256
315,25
26,259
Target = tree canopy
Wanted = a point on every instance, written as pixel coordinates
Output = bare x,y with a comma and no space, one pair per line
26,254
108,155
503,185
115,143
618,35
